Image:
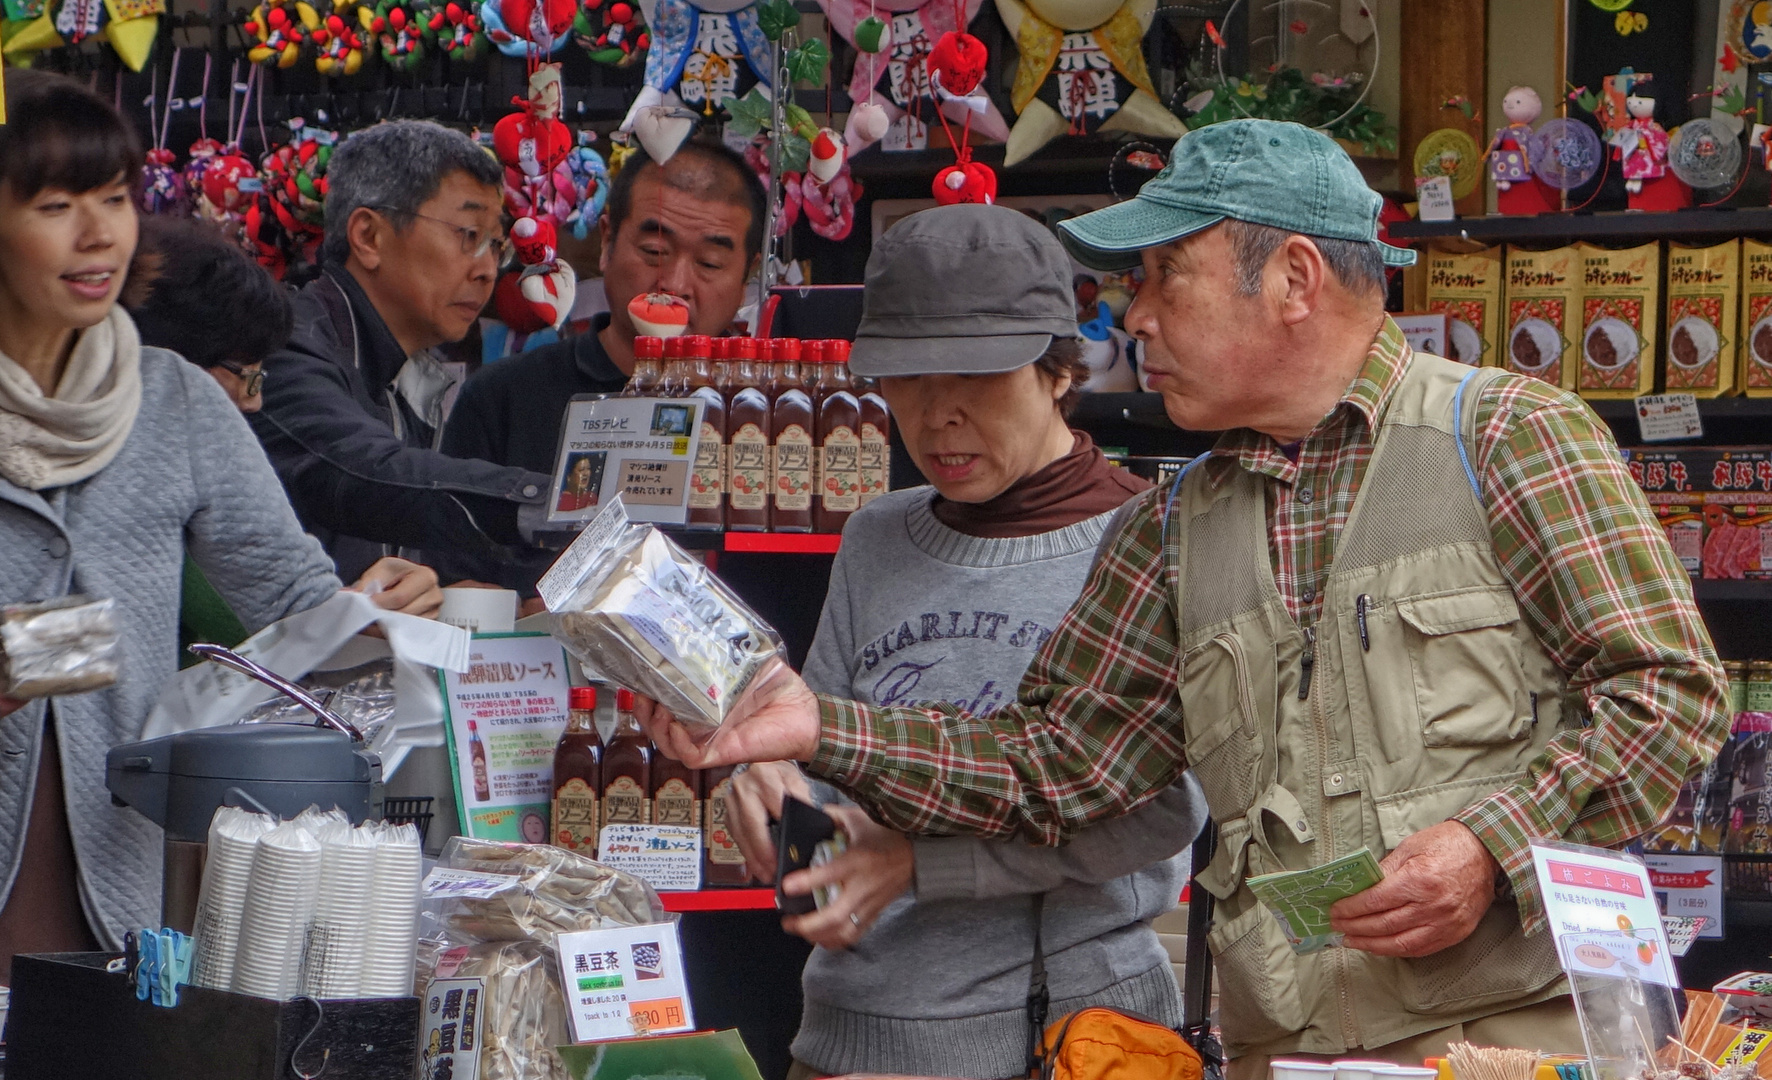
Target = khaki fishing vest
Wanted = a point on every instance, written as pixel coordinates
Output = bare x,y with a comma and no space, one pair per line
1427,692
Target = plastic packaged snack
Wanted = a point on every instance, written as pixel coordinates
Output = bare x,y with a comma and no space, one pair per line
62,646
492,1011
630,603
485,891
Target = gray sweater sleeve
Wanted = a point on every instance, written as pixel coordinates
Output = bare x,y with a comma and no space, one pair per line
969,868
244,535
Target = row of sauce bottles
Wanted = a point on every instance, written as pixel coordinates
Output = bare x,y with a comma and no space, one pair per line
790,441
627,781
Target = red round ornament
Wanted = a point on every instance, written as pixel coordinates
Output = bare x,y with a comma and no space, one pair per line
965,181
959,58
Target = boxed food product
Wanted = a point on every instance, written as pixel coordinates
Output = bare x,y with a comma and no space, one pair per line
1755,376
1620,314
1543,314
1750,794
1738,535
1681,515
1703,302
1468,288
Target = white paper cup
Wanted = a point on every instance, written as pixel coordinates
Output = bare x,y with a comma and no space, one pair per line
480,611
1284,1069
1360,1070
1405,1072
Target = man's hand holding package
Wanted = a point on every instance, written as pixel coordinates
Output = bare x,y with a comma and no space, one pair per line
782,725
1437,885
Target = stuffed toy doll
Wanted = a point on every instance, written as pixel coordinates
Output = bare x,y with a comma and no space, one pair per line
525,28
340,42
282,30
893,76
533,146
401,28
129,26
1081,70
1517,189
459,31
613,33
700,54
1639,145
539,296
590,179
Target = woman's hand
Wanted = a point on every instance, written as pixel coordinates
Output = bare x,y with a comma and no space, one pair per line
756,799
781,725
406,587
876,870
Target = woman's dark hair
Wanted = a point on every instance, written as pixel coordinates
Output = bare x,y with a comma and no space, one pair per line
1065,357
60,134
208,300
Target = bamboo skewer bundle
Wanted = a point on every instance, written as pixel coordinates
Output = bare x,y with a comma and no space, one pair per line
1491,1062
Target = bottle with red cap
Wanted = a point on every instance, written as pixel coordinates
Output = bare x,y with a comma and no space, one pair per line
791,425
747,443
648,367
675,382
876,442
724,863
627,768
578,775
707,482
839,441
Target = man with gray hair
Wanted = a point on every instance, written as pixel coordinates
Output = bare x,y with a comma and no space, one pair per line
1403,605
353,404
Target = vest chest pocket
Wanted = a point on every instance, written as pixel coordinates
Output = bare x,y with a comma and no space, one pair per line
1464,658
1218,714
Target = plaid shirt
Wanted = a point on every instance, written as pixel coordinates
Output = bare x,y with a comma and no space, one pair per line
1097,729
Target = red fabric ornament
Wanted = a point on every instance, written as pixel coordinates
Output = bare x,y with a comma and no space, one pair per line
959,58
521,15
965,181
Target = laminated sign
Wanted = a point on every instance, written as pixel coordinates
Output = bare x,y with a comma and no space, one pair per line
624,981
643,449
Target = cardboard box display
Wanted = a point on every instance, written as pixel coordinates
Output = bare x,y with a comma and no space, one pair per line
1620,314
1703,317
1468,288
1755,375
1543,314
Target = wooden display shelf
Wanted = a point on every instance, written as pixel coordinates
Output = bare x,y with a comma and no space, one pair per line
719,900
1716,223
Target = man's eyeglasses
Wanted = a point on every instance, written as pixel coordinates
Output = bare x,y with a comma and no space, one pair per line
255,379
474,243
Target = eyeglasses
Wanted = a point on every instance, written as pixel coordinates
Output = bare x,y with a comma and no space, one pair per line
474,243
255,380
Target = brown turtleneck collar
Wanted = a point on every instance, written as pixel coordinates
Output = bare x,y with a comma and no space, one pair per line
1078,486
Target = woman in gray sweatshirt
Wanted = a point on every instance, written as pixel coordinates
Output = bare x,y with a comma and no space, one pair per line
945,593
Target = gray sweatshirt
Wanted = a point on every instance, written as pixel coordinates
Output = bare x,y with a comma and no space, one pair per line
919,612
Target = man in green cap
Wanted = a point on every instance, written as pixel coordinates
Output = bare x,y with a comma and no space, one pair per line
1403,605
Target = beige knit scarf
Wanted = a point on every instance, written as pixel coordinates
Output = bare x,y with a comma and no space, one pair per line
51,442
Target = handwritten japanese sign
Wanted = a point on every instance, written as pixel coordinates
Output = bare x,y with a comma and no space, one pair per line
505,714
1602,912
624,981
667,856
639,448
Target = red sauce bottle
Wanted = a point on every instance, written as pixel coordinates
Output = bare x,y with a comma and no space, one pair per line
676,795
675,382
627,768
791,425
648,367
747,443
578,775
725,862
876,442
839,441
720,353
707,485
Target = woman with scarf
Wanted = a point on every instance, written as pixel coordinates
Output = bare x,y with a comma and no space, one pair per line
115,460
945,593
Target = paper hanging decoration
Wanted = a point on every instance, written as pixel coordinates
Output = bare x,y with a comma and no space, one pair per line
1081,71
661,130
400,27
524,28
700,54
539,295
894,100
613,33
1453,154
29,28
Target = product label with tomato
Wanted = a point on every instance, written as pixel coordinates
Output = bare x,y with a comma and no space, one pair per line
839,470
871,462
721,846
749,476
708,482
575,817
793,469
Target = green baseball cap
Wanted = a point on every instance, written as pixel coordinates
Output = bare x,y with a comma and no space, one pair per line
1265,172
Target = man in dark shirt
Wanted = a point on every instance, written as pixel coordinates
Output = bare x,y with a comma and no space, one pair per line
693,227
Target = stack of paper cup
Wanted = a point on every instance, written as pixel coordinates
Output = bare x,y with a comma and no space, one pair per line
393,913
332,966
280,898
233,839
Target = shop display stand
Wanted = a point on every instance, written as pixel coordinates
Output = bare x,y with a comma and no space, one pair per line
1716,223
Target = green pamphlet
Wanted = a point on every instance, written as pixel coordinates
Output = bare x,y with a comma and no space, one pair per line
1301,899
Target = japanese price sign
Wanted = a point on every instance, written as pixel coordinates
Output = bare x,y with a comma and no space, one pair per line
640,448
1602,912
1689,886
505,713
667,856
624,981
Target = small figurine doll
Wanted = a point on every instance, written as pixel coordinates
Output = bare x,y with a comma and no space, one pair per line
1518,190
1641,145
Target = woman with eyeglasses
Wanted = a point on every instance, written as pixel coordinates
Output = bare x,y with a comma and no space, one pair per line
198,281
116,459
